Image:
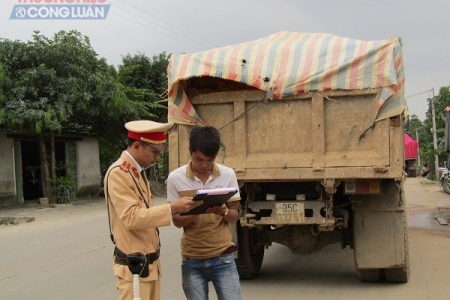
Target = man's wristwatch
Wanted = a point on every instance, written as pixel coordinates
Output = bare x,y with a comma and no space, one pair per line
225,212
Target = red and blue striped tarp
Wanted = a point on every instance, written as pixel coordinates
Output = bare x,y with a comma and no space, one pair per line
290,63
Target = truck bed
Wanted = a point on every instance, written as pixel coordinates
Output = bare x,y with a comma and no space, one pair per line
304,137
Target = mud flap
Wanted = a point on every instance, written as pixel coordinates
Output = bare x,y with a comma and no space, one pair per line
380,233
379,239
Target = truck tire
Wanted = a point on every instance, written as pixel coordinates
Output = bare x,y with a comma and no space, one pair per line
446,185
369,275
396,275
250,253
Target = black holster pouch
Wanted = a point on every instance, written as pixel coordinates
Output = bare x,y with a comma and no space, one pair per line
138,264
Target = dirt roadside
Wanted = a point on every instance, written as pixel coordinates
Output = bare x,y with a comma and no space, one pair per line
426,202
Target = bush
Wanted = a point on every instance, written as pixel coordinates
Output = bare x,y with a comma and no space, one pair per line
65,189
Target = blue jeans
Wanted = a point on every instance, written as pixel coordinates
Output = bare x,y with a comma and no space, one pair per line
220,270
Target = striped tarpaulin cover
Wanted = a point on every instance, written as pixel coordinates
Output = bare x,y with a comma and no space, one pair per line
290,63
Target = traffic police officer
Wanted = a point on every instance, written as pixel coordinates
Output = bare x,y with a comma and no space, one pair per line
133,219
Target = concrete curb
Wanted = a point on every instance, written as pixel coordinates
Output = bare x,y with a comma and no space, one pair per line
24,213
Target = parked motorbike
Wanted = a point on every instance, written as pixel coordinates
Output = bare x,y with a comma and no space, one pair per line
444,178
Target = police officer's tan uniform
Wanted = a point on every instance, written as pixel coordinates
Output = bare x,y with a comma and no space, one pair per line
134,222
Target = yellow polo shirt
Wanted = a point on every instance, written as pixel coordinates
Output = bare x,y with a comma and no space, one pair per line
208,235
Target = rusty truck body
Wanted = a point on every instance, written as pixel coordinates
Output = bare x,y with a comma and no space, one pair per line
312,124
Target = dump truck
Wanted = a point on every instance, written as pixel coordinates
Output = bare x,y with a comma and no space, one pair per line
312,124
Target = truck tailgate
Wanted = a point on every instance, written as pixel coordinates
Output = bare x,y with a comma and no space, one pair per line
329,134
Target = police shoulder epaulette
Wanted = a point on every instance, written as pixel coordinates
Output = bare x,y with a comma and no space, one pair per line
135,172
125,166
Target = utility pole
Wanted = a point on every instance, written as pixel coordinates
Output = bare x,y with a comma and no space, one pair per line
418,149
436,161
433,112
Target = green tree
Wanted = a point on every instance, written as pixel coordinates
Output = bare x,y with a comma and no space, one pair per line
441,101
111,131
2,108
141,72
54,85
412,125
148,78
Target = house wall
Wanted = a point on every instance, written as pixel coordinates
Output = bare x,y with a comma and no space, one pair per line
7,174
88,167
82,154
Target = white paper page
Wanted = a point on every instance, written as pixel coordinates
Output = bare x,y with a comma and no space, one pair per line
220,191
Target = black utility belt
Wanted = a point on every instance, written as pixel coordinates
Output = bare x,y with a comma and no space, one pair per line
121,258
136,262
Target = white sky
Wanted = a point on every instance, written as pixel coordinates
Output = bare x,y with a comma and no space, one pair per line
186,26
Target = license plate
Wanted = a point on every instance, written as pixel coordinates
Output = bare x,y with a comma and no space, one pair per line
290,212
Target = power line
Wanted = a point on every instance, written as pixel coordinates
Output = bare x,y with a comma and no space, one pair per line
160,26
427,91
154,30
165,28
140,9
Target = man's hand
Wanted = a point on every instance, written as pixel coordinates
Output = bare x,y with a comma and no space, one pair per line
228,211
183,205
218,210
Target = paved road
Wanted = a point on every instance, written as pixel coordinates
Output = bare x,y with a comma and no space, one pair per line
65,253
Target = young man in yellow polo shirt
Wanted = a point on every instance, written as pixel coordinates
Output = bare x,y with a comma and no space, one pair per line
206,246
